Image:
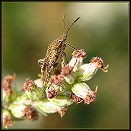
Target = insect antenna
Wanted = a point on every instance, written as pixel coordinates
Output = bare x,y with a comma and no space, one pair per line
64,23
71,25
71,46
66,32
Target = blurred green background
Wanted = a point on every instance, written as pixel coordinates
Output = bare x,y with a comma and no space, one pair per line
103,30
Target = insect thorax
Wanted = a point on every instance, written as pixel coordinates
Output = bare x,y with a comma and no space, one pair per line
55,50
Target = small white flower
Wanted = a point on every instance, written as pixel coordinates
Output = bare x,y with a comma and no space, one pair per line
86,71
83,91
75,63
70,78
23,99
5,113
46,106
39,83
61,101
33,92
17,110
80,89
7,118
77,59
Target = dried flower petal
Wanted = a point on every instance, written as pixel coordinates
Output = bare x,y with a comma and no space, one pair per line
10,78
91,97
29,85
7,118
66,70
76,99
30,113
99,63
56,79
62,111
79,53
7,121
68,75
33,92
7,91
51,92
6,84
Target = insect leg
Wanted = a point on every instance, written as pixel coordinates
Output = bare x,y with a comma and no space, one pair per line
41,63
46,77
44,71
64,60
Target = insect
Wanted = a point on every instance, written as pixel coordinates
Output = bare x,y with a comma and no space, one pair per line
55,55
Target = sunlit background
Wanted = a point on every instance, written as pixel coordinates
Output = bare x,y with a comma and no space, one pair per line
102,30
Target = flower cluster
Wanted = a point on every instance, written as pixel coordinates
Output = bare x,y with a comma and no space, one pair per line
6,86
14,105
62,90
69,86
